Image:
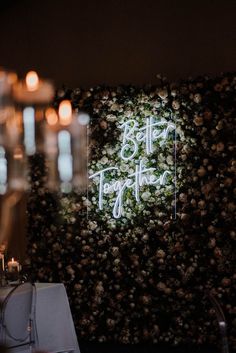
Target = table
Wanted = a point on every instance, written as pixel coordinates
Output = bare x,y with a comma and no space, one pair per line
52,327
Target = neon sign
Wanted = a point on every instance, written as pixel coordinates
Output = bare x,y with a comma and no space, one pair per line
148,134
135,137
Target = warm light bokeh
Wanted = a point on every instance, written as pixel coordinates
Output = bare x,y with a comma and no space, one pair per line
32,81
18,153
65,112
51,116
12,78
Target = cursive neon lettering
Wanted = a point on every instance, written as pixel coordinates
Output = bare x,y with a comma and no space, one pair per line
101,179
141,177
134,138
148,134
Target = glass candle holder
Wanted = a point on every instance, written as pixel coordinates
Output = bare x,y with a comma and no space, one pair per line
13,167
66,148
13,271
32,97
12,156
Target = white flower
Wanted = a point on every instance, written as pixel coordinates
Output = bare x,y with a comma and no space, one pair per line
104,160
115,107
92,225
111,118
146,195
110,151
124,167
112,224
128,113
145,160
129,215
157,105
169,160
131,170
87,202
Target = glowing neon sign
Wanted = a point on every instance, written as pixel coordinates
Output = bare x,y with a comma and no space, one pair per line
148,134
134,138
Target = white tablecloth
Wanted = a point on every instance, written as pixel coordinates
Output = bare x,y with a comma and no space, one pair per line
53,326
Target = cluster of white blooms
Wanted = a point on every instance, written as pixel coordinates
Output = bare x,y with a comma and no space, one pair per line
141,277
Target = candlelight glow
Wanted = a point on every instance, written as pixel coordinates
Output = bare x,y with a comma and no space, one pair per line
18,153
32,81
65,112
12,78
51,116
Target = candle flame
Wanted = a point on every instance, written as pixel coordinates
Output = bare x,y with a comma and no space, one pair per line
65,112
32,81
51,116
12,259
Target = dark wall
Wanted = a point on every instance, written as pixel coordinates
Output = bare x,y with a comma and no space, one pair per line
84,43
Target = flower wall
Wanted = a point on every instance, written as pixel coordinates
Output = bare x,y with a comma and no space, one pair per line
144,274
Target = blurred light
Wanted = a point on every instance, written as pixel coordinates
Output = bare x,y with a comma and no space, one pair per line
18,153
3,114
29,130
64,142
83,118
39,114
65,166
51,116
65,112
3,171
11,78
32,81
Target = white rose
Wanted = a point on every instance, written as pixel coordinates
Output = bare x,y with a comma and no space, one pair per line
124,167
104,160
146,195
111,118
92,225
87,203
110,151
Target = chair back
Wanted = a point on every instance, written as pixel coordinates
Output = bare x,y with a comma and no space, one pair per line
18,317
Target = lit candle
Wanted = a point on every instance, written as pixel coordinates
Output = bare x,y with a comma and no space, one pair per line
13,266
32,81
65,113
76,126
33,90
51,117
33,96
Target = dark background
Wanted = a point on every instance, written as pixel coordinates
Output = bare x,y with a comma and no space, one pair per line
84,43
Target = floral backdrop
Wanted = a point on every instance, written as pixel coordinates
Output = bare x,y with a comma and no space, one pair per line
145,275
